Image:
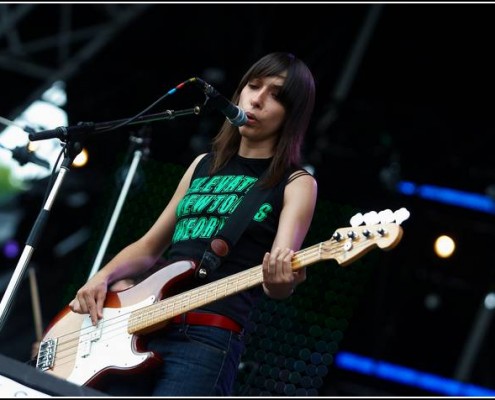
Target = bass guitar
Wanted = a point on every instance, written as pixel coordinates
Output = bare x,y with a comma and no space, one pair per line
75,350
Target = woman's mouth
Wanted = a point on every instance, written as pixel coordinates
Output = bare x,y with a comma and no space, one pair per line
251,118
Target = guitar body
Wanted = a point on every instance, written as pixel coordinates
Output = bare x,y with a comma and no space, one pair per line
83,353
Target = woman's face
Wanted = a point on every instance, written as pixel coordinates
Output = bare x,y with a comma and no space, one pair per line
259,99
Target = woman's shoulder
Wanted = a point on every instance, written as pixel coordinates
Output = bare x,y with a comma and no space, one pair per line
300,183
301,175
200,163
200,158
301,190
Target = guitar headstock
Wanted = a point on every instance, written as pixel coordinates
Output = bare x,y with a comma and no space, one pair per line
380,229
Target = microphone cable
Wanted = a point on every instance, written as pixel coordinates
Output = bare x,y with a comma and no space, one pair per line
170,92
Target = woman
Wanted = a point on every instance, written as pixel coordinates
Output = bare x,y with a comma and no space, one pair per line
201,351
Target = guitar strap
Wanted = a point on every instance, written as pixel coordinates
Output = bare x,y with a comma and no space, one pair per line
227,237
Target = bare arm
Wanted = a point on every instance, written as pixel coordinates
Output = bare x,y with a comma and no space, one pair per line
279,280
134,259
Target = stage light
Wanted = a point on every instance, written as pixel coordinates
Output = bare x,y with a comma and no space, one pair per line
81,159
461,198
11,249
408,376
490,301
41,114
444,246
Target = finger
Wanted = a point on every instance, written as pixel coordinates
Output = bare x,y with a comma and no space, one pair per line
282,258
80,305
283,265
274,260
266,262
287,267
100,300
91,308
287,253
74,305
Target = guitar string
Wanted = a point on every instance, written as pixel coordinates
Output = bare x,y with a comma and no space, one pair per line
113,326
113,323
300,256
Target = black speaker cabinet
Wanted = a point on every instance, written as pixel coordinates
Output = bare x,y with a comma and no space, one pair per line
22,380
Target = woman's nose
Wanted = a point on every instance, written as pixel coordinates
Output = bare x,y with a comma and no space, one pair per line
257,99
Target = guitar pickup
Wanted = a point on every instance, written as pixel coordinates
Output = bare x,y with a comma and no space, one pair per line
85,341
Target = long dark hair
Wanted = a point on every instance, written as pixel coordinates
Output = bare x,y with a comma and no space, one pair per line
297,95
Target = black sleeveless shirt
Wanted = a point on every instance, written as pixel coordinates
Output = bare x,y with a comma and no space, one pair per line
205,208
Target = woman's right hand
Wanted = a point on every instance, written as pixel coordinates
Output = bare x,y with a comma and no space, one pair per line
90,298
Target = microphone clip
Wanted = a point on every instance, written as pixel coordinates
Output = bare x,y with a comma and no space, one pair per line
207,89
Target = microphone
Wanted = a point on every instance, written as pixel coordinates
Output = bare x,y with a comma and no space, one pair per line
234,114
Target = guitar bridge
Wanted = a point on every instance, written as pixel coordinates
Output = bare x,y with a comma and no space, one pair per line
46,354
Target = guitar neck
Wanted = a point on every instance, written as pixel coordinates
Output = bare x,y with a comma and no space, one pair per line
153,316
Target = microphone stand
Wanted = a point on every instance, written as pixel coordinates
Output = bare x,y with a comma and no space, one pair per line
83,129
71,151
72,135
140,144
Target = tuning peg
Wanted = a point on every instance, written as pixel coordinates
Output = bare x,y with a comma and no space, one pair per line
371,218
401,215
386,216
357,219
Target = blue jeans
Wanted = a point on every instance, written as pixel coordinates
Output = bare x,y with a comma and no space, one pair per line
197,361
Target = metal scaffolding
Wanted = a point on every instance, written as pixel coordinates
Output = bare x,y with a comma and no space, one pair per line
61,40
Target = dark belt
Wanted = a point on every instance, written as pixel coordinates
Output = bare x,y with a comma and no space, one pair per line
207,319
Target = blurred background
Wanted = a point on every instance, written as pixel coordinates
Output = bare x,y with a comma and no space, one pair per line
403,118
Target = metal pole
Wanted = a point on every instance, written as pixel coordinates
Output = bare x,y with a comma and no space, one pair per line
475,340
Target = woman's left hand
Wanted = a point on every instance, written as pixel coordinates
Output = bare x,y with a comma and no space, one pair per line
278,276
